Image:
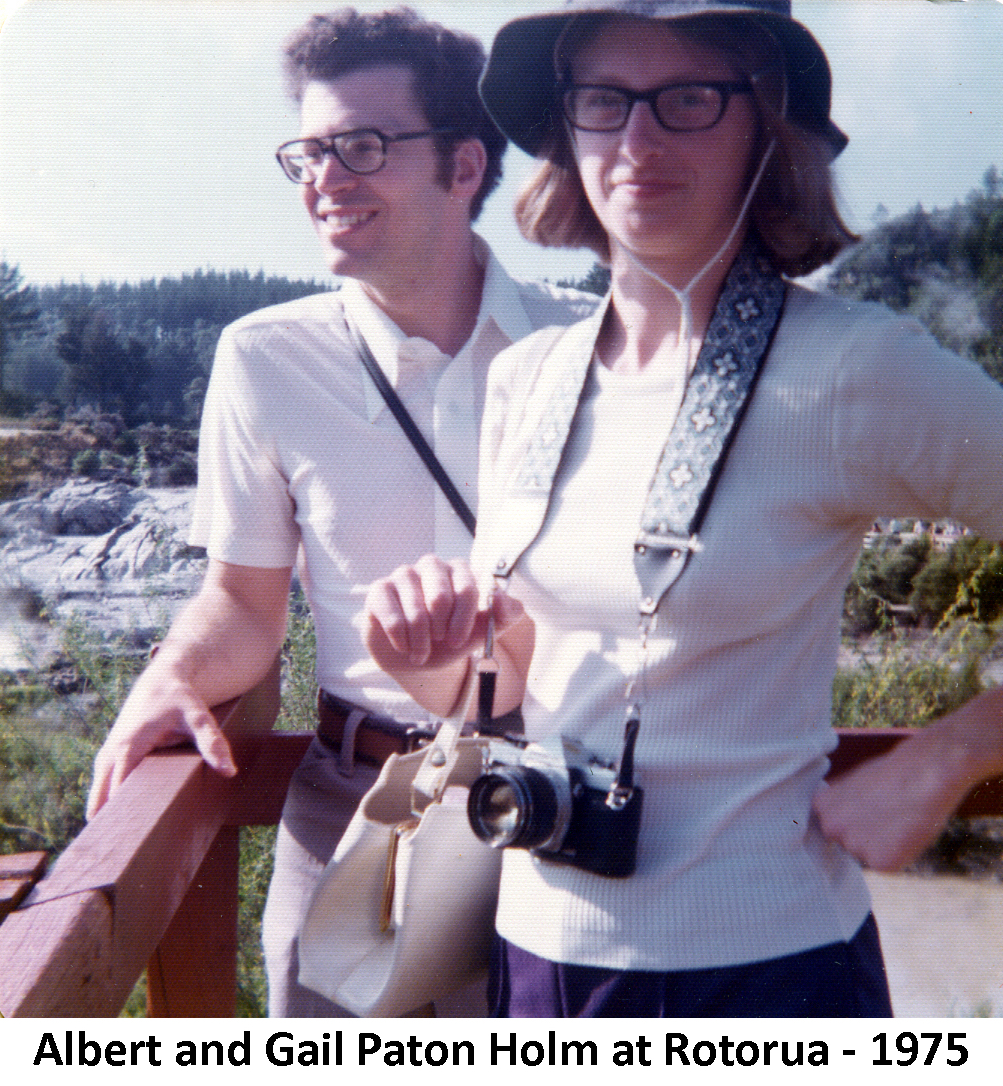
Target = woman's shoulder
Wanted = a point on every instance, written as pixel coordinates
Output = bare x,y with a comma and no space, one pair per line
517,366
812,309
873,358
823,330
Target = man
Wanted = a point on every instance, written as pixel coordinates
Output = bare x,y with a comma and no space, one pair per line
301,462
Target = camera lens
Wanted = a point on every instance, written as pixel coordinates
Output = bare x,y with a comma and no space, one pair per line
515,806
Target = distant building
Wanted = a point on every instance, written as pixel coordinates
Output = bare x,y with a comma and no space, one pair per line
897,531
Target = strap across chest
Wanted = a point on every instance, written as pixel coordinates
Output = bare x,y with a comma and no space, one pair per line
717,394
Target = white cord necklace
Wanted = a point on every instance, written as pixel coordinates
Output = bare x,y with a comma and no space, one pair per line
683,296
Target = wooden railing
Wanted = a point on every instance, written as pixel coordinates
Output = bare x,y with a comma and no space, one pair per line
152,880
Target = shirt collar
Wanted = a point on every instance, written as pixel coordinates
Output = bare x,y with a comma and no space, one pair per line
380,333
500,298
500,303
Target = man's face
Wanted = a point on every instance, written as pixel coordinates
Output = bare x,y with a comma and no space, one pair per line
385,228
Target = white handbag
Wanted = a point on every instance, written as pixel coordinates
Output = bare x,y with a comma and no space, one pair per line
404,912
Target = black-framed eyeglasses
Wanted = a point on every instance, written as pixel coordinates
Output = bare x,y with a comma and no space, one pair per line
363,150
678,107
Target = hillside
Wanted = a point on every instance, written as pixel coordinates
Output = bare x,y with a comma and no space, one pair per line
945,267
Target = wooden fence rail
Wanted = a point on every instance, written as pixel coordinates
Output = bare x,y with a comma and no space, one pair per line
151,881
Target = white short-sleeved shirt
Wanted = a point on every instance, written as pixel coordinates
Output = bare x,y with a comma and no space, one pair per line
300,460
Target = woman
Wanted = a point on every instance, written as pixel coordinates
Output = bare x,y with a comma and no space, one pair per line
689,145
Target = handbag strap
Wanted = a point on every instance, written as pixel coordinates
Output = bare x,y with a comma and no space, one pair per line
441,754
414,435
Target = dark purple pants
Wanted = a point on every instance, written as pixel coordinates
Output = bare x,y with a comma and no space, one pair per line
841,980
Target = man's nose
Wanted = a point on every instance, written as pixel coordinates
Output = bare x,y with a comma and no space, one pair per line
332,174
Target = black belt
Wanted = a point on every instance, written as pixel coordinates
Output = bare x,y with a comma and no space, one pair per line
377,737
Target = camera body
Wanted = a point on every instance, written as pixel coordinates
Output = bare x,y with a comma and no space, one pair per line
558,801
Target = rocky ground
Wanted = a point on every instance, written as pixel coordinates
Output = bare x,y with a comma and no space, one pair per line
942,938
110,554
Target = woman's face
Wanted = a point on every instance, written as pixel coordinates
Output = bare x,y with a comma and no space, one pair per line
667,196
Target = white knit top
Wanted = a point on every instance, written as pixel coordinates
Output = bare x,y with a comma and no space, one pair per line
858,414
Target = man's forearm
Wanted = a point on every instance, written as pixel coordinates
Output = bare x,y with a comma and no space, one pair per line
219,644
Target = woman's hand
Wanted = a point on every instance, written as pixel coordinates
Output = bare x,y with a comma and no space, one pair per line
422,615
423,622
886,811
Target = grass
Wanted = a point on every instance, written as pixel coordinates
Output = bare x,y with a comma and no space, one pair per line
893,687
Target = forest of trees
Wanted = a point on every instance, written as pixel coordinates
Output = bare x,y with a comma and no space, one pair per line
144,351
945,267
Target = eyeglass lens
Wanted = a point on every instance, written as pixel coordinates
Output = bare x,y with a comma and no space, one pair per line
681,107
361,152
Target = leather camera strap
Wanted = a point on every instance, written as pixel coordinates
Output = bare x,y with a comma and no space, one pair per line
414,435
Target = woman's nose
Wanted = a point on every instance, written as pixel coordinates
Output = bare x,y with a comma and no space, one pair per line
641,135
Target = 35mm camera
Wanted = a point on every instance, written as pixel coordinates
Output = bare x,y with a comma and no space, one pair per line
558,801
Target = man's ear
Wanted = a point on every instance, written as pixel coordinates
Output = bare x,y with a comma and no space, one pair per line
470,160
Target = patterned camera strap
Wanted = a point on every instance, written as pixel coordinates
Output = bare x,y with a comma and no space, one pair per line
717,394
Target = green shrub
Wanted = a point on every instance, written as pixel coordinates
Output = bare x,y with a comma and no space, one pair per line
964,581
86,462
44,777
45,761
181,472
299,673
45,771
899,691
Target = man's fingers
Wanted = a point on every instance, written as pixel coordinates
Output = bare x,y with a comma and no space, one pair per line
212,745
98,794
119,756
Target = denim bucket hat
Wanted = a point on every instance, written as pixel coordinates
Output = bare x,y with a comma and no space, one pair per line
520,78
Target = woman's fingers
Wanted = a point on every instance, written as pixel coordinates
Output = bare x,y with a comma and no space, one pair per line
507,611
426,611
415,624
465,595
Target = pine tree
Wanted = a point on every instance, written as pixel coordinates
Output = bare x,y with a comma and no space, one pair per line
19,315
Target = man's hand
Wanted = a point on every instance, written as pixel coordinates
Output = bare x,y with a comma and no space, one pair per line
159,712
221,644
